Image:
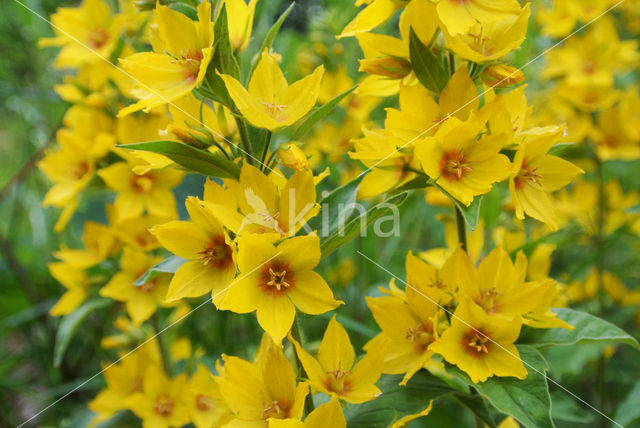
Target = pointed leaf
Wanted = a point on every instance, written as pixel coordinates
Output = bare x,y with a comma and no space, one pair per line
168,265
397,401
526,400
318,113
69,325
354,227
587,328
629,411
189,157
336,208
426,66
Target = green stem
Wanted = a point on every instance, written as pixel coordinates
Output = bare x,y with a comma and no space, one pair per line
600,266
462,229
265,149
452,63
295,333
244,139
164,351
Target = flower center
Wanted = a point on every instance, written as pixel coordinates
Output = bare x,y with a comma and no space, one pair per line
149,286
273,410
163,405
476,343
488,299
527,175
278,279
275,110
97,38
142,183
337,381
203,402
419,335
217,253
453,166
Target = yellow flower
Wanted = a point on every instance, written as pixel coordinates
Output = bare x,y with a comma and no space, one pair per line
141,301
206,246
419,112
536,174
270,101
497,285
160,404
274,281
334,371
389,158
375,13
99,243
92,25
489,41
480,345
267,204
123,380
326,415
256,393
75,281
137,193
183,50
387,58
409,321
458,16
204,402
240,17
134,232
460,163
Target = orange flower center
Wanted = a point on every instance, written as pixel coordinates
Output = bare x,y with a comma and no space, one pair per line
476,343
203,402
526,175
217,253
149,286
453,165
337,380
274,410
163,405
488,299
278,279
97,38
420,335
142,183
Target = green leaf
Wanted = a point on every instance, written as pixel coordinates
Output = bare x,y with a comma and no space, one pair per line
587,328
478,406
567,410
629,410
189,157
353,228
318,113
270,37
336,208
185,9
526,400
420,182
168,265
426,66
223,58
69,325
471,213
397,401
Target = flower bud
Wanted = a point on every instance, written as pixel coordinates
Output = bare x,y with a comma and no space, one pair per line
392,67
292,157
501,75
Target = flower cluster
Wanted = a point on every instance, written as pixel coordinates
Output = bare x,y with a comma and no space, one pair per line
166,92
